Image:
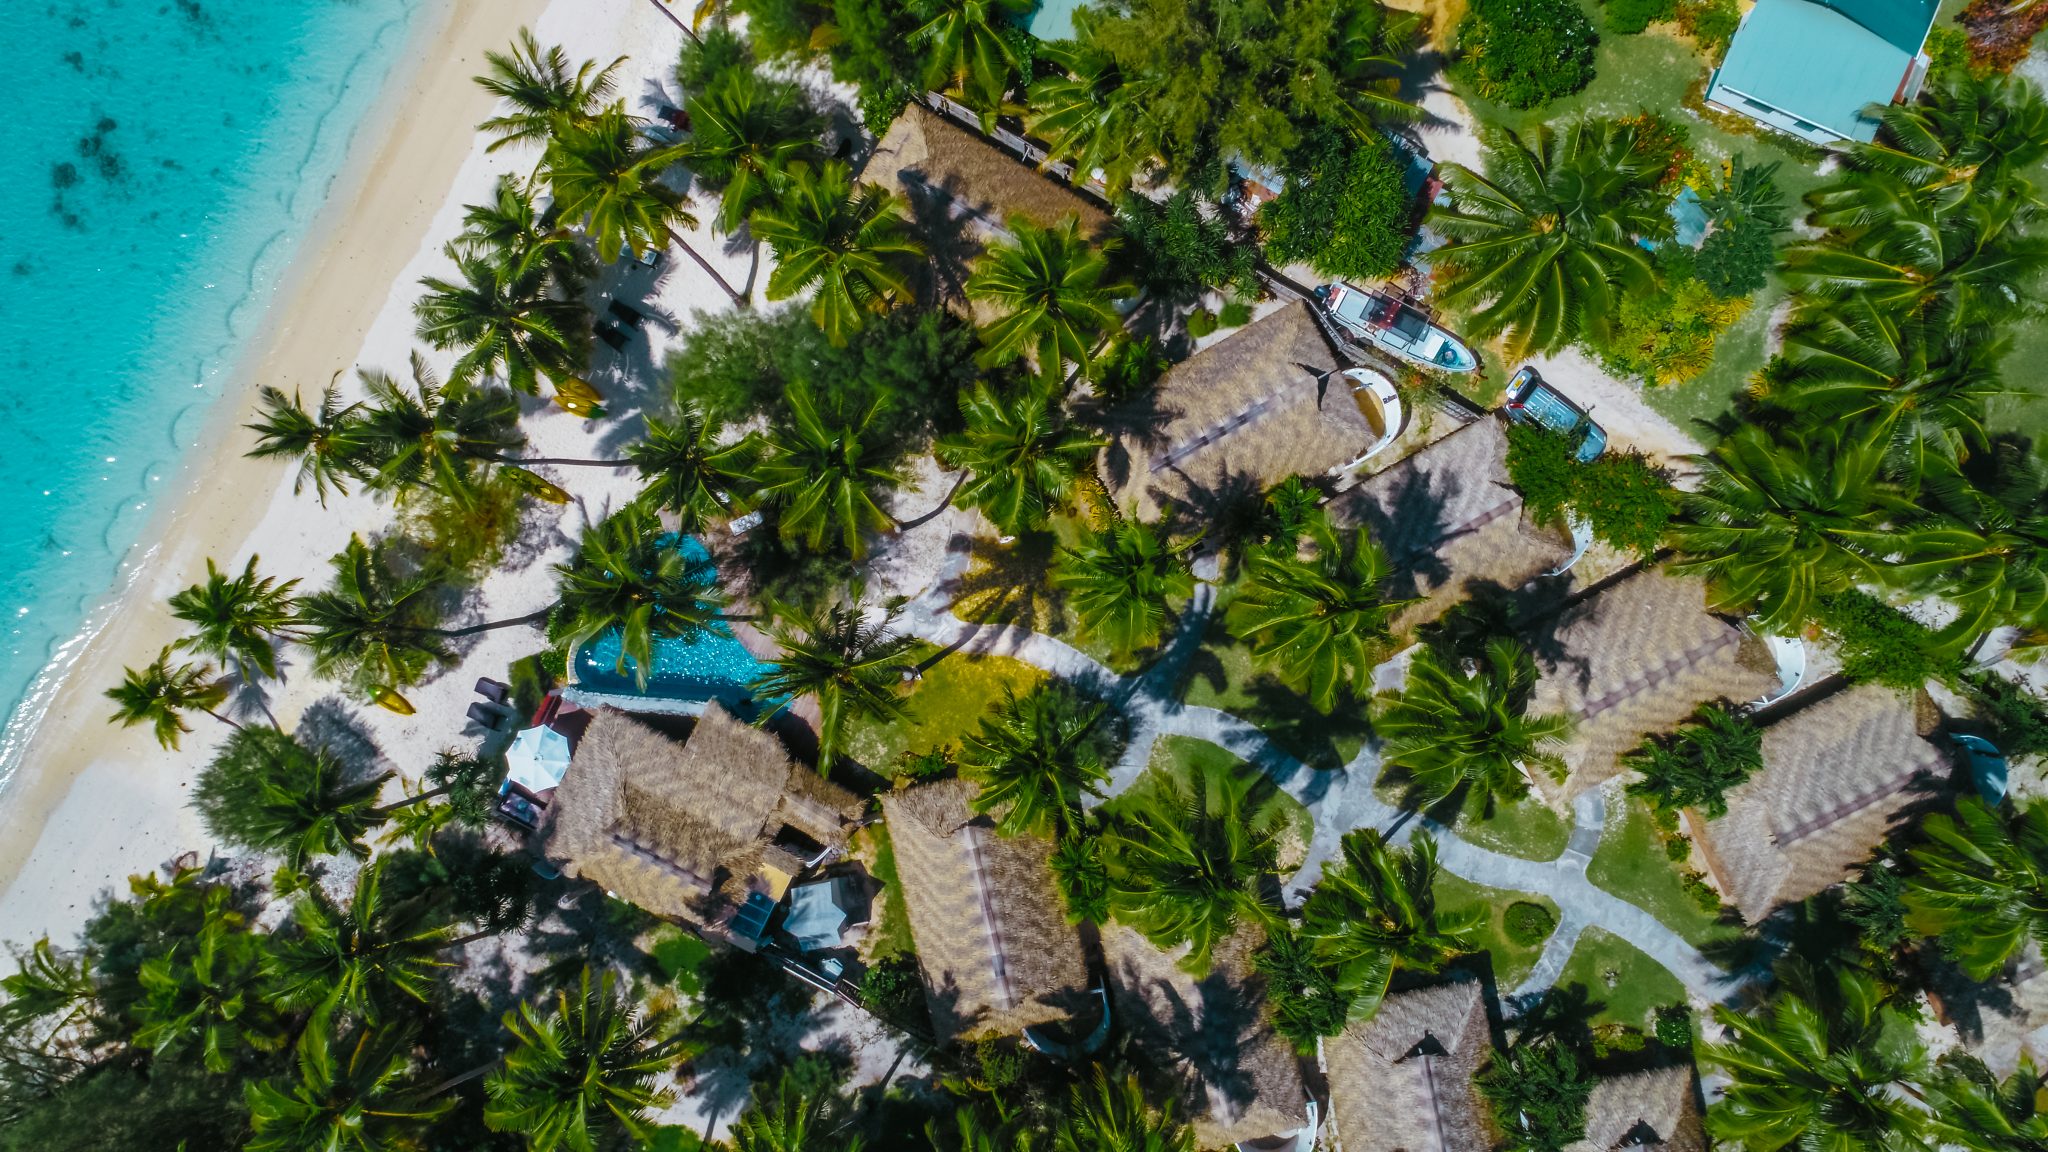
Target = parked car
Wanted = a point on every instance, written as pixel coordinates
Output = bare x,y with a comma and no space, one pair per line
1533,401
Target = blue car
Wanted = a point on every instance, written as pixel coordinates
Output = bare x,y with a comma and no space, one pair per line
1532,401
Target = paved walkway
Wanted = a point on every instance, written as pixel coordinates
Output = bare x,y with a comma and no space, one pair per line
1338,800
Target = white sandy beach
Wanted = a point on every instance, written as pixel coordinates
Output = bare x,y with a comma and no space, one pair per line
93,803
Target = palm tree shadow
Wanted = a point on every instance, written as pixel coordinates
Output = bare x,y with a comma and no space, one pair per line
1287,719
333,726
1007,584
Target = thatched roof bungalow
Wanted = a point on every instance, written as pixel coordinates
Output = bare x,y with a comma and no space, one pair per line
1656,1109
1238,417
1836,776
997,952
937,166
1239,1079
687,829
1403,1080
1449,520
1638,658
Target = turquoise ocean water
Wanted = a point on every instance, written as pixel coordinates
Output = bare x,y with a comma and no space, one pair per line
160,161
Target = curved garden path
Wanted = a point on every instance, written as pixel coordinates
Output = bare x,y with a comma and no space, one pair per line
1338,800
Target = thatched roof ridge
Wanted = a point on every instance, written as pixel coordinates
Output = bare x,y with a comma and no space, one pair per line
1246,412
1240,1079
1836,775
1403,1080
673,826
925,157
1448,518
1638,658
997,953
1656,1108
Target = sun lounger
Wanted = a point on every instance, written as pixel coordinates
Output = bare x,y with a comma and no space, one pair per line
486,717
675,117
496,691
626,313
650,258
611,335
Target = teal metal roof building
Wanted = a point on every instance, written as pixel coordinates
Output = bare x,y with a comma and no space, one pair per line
1813,68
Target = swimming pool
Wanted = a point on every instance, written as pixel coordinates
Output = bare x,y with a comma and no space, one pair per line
712,665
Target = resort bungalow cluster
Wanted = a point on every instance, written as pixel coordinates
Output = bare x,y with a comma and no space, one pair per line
710,822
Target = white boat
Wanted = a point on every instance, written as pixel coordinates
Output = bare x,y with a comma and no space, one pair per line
1396,324
1381,405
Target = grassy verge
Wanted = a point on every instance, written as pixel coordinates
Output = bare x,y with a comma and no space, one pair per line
1511,961
1626,985
1631,863
1526,828
889,936
946,705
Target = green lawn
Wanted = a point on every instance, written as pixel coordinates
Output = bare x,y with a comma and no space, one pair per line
1172,752
1627,986
1012,584
1222,676
1631,863
1527,828
946,705
1511,961
889,936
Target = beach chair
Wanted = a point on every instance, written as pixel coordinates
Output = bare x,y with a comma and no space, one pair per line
611,335
496,691
486,717
626,314
675,117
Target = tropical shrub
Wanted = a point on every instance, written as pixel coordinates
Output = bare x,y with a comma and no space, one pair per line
1711,24
1234,314
1346,209
1537,1091
705,60
1201,323
1877,642
1747,213
1625,500
1695,766
1674,1027
1175,251
1082,879
1522,53
1307,1004
1527,923
1129,367
1542,466
1631,16
1666,336
2018,718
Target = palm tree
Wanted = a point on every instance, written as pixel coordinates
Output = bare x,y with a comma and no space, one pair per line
1191,854
504,316
605,174
1376,911
1036,758
434,437
852,664
202,991
1981,882
579,1073
1321,622
266,792
1094,116
966,53
359,958
792,1116
510,228
1055,295
1915,256
348,1095
1968,1108
970,1133
1113,1116
543,94
685,468
851,242
1022,458
237,619
1778,521
159,694
629,575
745,133
1120,578
1544,243
823,478
1982,549
1823,1066
1453,729
1966,137
49,987
1920,388
373,628
323,442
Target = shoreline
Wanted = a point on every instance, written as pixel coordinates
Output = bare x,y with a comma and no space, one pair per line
401,161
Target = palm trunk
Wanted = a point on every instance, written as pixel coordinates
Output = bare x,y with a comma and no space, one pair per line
563,461
530,618
473,937
675,238
677,21
385,812
906,525
230,723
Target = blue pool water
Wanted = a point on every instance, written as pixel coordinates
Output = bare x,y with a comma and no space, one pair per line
709,666
160,161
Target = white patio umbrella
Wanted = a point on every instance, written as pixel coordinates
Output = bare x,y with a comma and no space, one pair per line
537,759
